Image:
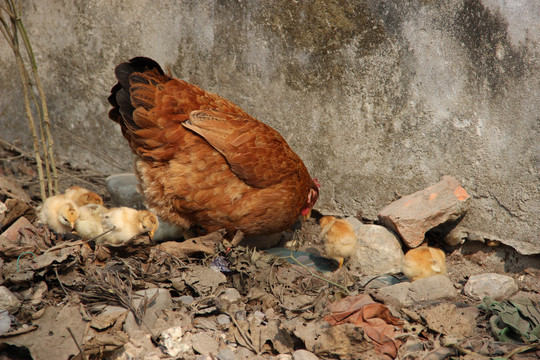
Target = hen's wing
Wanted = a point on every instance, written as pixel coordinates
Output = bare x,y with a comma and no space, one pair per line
256,153
150,107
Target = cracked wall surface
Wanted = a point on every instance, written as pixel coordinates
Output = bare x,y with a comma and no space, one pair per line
379,98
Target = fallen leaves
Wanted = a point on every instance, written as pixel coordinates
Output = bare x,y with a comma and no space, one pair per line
375,319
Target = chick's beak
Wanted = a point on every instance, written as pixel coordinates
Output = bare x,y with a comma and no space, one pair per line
151,233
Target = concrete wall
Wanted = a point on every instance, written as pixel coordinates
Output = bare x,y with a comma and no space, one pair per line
378,97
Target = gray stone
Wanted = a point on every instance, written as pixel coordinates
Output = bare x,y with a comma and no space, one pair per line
124,190
282,357
8,301
5,321
304,355
186,299
434,288
499,287
167,232
243,353
223,319
226,354
230,295
204,344
378,251
162,302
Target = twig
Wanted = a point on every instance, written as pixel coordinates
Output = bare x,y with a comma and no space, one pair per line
469,352
246,338
521,349
83,356
76,243
58,278
19,331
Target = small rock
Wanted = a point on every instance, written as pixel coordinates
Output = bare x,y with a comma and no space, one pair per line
240,315
261,242
5,322
226,354
413,215
304,355
8,301
434,288
230,295
204,344
174,342
378,251
186,299
498,286
283,357
223,319
124,190
167,232
243,353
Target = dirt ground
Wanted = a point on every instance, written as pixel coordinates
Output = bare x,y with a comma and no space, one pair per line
281,306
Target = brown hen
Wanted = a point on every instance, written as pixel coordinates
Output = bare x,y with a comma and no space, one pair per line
202,160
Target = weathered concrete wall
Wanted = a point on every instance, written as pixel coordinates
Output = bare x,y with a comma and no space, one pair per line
378,97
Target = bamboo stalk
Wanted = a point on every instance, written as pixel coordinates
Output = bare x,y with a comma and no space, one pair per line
43,143
48,142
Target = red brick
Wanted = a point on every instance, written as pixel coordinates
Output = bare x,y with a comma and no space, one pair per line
415,214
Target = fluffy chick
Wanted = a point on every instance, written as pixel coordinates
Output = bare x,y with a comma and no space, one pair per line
59,214
422,262
89,224
340,240
81,196
127,223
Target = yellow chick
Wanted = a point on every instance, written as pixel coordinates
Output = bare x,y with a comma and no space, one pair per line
423,262
89,224
81,196
340,240
58,213
127,223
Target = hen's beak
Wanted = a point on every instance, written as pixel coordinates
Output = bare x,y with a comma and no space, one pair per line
151,233
307,216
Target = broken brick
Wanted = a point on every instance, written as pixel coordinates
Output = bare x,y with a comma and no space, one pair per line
415,214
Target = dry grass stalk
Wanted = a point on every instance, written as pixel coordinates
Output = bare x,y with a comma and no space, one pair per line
11,29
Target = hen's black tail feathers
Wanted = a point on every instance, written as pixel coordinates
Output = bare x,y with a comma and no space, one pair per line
120,98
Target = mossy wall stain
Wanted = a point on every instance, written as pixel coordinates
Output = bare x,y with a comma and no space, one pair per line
316,31
485,36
